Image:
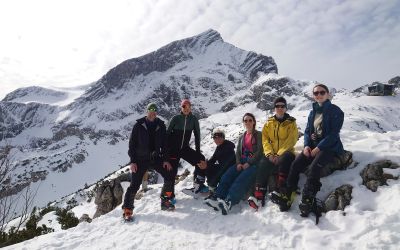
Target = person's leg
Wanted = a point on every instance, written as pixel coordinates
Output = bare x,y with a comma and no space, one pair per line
226,181
284,162
264,169
213,173
136,181
167,192
241,185
298,166
192,157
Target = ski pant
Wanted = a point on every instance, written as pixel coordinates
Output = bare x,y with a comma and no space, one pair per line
214,173
192,157
266,168
136,180
315,164
235,184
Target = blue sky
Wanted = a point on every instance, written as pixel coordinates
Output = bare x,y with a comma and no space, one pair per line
69,43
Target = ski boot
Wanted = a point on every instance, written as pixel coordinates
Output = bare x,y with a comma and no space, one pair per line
283,200
258,200
212,201
224,206
128,215
168,201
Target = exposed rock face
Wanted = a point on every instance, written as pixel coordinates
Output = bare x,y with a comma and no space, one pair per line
373,175
339,199
85,217
108,197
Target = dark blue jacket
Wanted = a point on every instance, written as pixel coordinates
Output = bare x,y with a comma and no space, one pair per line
332,122
139,144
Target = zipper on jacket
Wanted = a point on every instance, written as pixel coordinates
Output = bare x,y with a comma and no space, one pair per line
277,133
184,130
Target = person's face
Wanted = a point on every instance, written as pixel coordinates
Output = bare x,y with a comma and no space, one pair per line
248,123
218,139
280,108
186,109
151,115
320,94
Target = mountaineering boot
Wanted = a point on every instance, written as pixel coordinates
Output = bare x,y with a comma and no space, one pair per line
283,200
128,214
212,201
306,205
198,189
168,201
258,200
224,206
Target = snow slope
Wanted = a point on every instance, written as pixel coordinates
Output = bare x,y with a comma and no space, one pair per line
371,221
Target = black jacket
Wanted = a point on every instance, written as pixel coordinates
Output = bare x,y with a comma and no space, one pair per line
224,154
139,145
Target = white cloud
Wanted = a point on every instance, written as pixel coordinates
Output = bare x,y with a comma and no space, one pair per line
66,43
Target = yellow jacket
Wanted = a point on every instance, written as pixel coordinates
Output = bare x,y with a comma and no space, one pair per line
279,137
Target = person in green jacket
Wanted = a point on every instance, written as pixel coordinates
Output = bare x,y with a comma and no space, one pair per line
179,133
279,136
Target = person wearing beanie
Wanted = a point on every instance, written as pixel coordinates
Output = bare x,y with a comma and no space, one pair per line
220,161
179,133
147,149
279,135
321,144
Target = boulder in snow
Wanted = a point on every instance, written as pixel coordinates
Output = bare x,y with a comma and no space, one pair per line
373,175
339,199
108,197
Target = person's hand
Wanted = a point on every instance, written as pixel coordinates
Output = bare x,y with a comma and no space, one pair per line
246,165
133,167
307,151
202,164
271,158
239,167
313,136
275,160
315,151
167,166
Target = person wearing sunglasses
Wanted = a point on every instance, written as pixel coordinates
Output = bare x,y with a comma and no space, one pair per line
220,161
279,135
147,150
239,178
179,133
321,144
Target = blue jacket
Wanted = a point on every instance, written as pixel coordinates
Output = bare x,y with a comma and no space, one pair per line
332,122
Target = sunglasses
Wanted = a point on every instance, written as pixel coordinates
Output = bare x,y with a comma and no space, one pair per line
184,106
249,120
280,106
152,110
217,135
322,92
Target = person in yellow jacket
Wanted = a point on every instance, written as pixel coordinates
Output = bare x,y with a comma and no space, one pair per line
279,136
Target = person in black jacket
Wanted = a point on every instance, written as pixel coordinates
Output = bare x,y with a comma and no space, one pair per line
147,150
220,161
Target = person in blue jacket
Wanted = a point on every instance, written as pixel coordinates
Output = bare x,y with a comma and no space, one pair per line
321,144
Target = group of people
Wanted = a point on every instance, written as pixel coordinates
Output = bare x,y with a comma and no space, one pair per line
232,175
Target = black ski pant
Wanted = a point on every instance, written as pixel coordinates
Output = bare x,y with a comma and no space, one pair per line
136,180
214,173
315,164
192,157
266,168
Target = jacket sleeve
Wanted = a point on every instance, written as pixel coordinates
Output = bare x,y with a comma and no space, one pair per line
288,144
171,125
332,136
196,134
133,144
266,141
164,151
307,139
259,151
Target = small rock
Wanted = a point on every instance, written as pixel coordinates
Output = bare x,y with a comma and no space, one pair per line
373,175
85,217
339,199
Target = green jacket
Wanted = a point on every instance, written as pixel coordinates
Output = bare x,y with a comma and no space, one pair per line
180,130
257,148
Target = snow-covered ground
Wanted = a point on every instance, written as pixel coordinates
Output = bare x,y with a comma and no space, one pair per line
371,221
